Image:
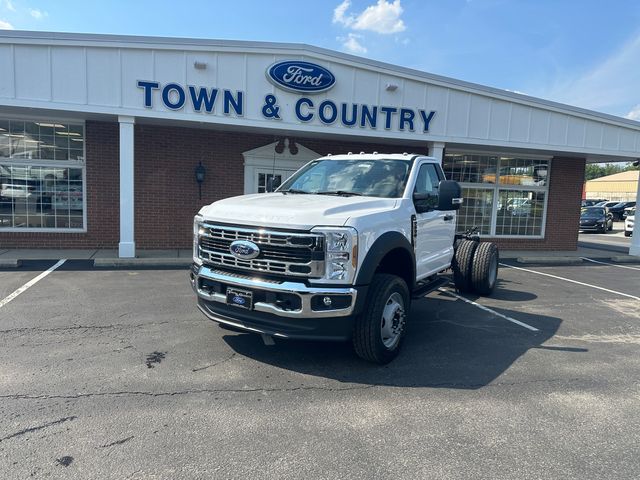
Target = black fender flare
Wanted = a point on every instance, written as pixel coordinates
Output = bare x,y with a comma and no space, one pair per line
384,244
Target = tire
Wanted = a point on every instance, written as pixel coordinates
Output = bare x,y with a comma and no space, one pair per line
611,227
462,263
627,234
379,330
484,271
603,229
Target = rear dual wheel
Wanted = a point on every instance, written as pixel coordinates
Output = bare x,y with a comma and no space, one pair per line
475,267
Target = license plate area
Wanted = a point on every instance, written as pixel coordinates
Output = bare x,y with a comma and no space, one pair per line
240,298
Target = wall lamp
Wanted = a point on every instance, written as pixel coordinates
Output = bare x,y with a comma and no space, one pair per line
200,173
199,65
391,87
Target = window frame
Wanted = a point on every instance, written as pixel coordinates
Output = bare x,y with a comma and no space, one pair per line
497,188
82,165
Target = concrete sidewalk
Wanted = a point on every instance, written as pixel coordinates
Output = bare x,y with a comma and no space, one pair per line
182,257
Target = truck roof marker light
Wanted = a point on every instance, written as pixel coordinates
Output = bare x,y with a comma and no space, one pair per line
375,153
349,153
361,153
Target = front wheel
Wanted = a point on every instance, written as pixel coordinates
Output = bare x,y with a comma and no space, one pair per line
380,328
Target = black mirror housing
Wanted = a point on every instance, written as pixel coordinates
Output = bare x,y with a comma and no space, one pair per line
450,195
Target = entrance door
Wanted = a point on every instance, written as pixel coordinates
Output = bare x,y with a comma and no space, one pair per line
263,176
268,162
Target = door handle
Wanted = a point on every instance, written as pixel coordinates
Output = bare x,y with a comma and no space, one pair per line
448,218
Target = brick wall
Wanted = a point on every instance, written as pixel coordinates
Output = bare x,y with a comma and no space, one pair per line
166,193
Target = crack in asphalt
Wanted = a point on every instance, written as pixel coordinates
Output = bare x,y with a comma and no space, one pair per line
117,442
39,427
214,364
81,327
291,389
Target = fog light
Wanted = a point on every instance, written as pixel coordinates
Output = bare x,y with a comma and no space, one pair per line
327,301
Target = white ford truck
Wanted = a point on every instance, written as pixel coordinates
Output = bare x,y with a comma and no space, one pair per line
337,252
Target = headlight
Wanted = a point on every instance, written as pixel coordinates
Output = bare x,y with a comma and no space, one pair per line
341,253
197,223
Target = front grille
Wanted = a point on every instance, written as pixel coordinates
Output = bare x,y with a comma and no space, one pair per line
281,252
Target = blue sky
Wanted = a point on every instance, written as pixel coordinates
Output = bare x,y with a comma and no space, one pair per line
580,52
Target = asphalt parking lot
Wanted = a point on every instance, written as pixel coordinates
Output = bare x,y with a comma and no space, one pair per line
116,374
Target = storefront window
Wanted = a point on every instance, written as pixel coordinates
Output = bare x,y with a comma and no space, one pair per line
41,175
504,196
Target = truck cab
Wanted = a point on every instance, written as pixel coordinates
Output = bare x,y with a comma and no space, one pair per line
335,253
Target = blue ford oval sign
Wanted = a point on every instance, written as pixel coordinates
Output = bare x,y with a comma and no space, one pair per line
298,76
244,250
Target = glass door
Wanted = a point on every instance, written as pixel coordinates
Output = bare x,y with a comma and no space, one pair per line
266,176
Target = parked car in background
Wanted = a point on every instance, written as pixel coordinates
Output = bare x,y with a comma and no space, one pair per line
628,223
595,219
607,203
590,202
627,211
618,209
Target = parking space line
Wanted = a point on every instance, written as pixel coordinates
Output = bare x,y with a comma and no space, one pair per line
487,309
571,281
31,283
610,264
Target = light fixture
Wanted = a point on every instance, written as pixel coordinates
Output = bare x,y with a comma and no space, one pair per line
200,65
68,134
53,125
391,87
200,173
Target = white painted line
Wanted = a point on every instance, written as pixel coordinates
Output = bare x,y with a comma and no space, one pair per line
571,281
487,309
610,264
30,283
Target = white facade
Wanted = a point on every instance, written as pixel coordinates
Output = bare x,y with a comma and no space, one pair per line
98,74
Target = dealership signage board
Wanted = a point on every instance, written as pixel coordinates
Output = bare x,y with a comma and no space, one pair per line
305,78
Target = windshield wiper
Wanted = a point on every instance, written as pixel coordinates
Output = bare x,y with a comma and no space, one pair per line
293,190
340,192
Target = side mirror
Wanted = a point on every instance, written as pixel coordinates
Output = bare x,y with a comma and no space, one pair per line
450,197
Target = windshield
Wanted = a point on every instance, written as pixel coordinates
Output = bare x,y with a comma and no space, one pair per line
374,178
592,211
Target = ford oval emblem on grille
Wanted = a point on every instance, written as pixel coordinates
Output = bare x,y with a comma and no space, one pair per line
244,250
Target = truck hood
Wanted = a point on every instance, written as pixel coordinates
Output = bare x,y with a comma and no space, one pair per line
294,211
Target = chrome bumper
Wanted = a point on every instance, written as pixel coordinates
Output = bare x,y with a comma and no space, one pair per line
300,289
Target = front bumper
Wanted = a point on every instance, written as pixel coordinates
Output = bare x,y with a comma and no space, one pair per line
282,309
592,227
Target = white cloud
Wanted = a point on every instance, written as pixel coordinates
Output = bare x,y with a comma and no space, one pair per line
352,43
9,6
634,114
382,17
5,25
38,14
610,86
339,14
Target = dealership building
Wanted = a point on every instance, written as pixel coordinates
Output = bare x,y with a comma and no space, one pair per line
115,142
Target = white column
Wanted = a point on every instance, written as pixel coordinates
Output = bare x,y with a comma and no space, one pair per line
127,246
634,248
436,150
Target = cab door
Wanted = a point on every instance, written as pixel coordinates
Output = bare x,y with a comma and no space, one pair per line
435,229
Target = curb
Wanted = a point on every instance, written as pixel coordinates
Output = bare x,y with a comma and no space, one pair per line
550,260
13,263
142,262
625,259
